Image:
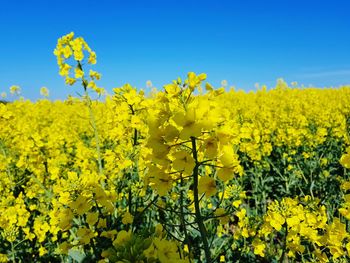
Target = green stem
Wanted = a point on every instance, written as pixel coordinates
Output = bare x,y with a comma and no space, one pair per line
47,192
94,127
98,149
130,200
93,121
284,246
13,253
199,218
182,218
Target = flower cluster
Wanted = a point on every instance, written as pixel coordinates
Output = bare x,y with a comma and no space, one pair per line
68,48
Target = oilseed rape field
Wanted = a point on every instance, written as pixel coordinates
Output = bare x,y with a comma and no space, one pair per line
188,173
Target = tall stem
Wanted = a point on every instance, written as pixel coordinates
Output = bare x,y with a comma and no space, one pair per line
93,122
199,219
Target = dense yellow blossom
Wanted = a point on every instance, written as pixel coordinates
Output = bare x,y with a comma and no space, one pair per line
177,175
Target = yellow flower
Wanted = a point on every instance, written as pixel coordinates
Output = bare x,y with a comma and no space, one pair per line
92,58
321,256
293,221
102,223
150,252
127,218
94,75
221,214
4,258
42,251
228,157
122,238
189,123
211,147
167,251
40,228
67,51
66,38
194,80
30,236
70,81
109,234
207,185
241,214
163,184
276,221
225,174
92,218
345,185
259,247
85,235
237,203
78,73
64,70
158,230
345,160
183,162
172,89
81,205
65,219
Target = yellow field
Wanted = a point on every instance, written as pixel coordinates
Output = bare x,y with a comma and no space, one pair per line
186,174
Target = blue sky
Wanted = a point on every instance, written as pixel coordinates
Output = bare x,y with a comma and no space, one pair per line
243,42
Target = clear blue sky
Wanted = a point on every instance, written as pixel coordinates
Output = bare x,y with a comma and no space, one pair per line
243,42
